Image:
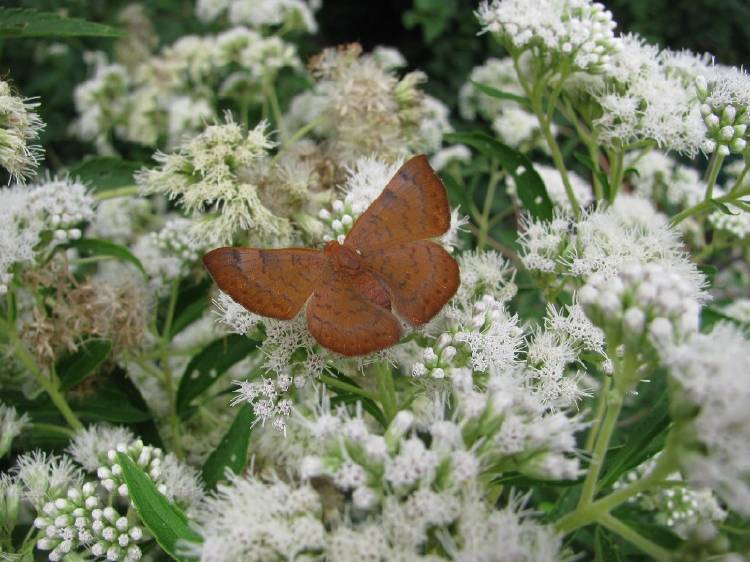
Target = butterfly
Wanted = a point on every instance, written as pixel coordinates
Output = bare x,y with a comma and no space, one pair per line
386,262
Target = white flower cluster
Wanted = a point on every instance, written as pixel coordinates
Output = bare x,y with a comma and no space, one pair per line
19,126
680,507
261,14
569,34
710,403
11,426
464,525
724,95
118,219
169,253
374,467
267,399
644,299
173,94
249,519
737,223
44,478
208,176
551,352
511,426
661,178
643,101
604,240
75,521
36,217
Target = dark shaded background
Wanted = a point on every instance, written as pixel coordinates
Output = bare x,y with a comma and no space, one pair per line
437,36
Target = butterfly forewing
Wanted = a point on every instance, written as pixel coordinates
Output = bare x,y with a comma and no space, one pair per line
343,320
274,283
413,206
421,277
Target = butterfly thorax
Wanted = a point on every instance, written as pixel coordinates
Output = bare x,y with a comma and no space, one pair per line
343,258
346,261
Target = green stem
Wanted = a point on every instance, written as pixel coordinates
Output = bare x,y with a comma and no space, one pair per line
624,374
125,191
386,388
652,549
48,427
49,386
737,184
712,173
557,158
333,382
484,223
616,173
273,102
708,204
613,408
601,407
166,336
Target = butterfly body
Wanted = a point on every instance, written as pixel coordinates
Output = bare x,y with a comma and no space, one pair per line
386,262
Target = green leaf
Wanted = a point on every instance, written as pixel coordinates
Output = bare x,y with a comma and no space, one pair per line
209,364
74,368
530,187
606,547
166,521
232,451
644,440
18,22
116,401
740,204
188,315
500,94
105,248
105,172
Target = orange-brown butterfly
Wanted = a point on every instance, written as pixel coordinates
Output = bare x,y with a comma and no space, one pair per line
386,259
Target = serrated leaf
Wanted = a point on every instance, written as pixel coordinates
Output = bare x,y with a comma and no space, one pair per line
530,187
74,368
209,364
96,247
105,172
19,22
232,451
500,94
166,521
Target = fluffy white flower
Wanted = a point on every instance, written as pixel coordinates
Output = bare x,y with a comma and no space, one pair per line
37,217
45,477
90,446
660,177
252,520
19,127
579,33
11,426
647,103
712,371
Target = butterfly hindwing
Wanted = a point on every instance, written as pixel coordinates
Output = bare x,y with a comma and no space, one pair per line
413,206
421,277
341,318
274,283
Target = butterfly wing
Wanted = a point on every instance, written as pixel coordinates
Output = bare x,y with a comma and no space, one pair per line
421,276
413,206
342,319
274,283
